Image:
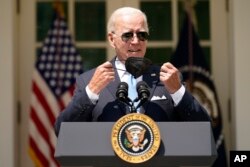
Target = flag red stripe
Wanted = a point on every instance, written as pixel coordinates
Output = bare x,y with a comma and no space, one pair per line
71,90
44,103
38,153
43,132
41,129
61,104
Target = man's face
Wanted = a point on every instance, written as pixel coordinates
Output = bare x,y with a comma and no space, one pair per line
127,39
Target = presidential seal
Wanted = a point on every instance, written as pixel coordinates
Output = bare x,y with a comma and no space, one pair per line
135,138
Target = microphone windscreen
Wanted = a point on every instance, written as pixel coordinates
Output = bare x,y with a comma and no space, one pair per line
122,90
142,89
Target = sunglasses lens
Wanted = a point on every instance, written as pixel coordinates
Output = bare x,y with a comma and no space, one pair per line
142,36
127,36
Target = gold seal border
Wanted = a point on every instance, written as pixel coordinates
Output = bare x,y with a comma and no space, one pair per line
115,138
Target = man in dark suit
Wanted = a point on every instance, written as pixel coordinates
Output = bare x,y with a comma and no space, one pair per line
95,95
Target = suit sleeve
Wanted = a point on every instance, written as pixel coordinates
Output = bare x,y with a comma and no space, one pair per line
189,109
79,109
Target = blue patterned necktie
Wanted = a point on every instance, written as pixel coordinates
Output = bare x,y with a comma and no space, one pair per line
132,93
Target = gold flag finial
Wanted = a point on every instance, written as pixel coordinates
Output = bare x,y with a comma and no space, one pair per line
58,6
189,8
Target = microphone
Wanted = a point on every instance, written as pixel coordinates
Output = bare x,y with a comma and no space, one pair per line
143,92
122,93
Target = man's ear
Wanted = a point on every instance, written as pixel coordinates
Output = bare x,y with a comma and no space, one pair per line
111,39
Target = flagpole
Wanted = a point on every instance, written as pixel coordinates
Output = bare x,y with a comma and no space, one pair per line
58,7
188,8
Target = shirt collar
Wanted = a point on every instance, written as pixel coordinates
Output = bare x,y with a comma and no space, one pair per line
121,69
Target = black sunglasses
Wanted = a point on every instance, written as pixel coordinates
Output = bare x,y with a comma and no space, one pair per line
141,35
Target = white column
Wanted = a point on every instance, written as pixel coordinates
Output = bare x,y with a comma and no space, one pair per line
7,83
240,68
27,53
220,61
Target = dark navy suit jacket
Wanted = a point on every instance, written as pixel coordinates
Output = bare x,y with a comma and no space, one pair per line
108,108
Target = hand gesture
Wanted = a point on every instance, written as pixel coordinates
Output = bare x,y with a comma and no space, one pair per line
169,75
103,75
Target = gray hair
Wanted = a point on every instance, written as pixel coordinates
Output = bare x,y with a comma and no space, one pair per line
121,12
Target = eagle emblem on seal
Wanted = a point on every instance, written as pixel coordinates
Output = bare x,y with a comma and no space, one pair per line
135,138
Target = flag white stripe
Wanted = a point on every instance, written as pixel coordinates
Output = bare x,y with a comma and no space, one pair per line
50,98
66,98
41,143
43,118
41,113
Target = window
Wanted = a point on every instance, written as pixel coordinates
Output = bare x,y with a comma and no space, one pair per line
87,23
165,18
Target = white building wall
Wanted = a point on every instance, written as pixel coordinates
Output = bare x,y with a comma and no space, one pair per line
240,68
7,84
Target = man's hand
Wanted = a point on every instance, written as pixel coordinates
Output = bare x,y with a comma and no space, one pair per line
169,75
103,75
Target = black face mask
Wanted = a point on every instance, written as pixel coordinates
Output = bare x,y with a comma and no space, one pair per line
137,66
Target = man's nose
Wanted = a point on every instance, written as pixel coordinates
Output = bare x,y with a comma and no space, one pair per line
135,39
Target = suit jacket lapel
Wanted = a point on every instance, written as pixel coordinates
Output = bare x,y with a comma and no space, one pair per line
151,78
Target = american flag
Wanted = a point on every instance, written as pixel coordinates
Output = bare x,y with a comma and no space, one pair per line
56,67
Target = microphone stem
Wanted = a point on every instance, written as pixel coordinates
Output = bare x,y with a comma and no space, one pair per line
133,110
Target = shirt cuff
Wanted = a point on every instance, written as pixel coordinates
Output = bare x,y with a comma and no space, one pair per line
177,96
92,96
